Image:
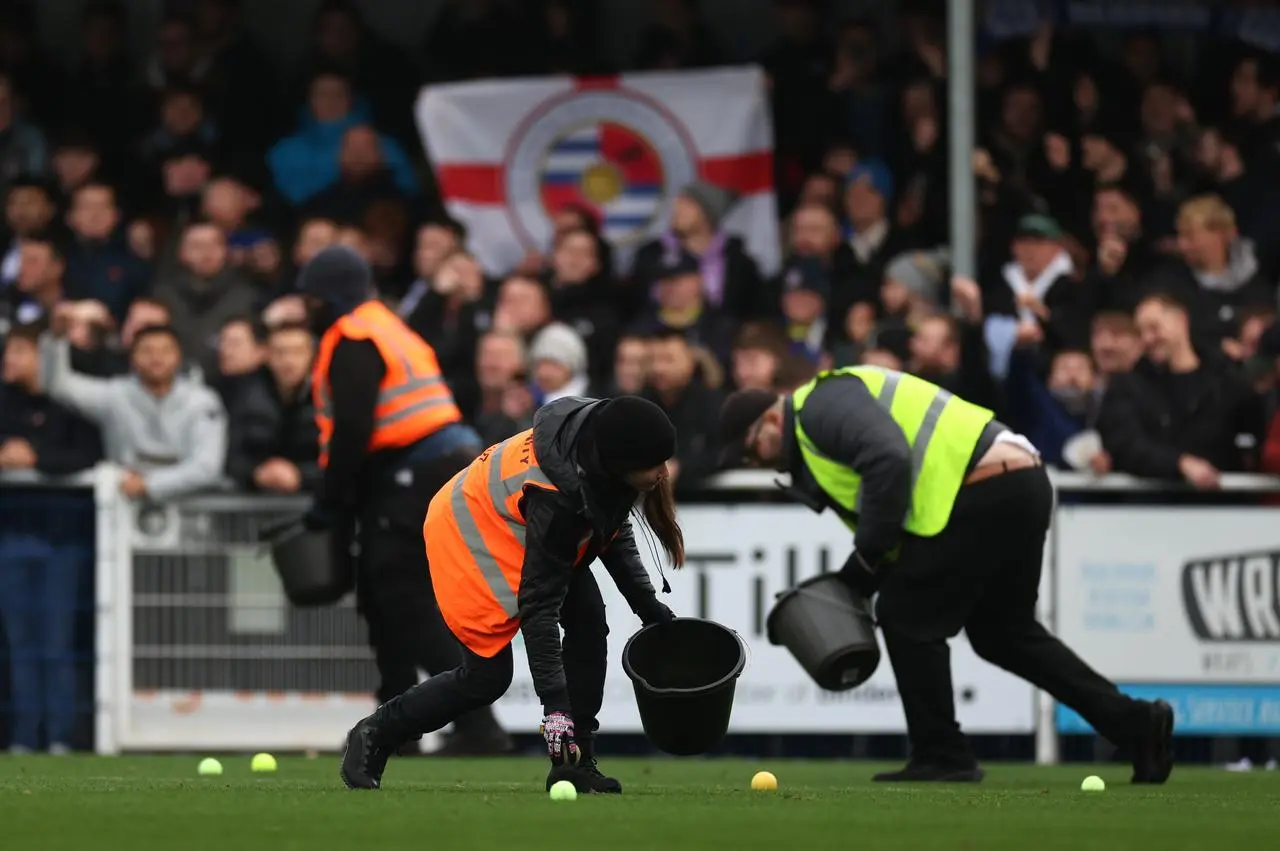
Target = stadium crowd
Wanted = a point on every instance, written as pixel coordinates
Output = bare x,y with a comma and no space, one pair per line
156,214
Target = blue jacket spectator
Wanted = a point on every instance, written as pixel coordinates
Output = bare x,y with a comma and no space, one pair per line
1051,413
23,150
307,162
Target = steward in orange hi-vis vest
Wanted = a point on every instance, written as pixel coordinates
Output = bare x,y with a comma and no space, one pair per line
413,399
390,437
511,540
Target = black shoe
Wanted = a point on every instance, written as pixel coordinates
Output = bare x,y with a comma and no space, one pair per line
586,777
364,757
1153,745
496,743
924,772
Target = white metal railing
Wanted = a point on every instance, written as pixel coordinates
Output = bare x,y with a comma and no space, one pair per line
172,674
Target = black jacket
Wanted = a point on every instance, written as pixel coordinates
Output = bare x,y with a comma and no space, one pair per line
845,423
63,442
263,425
1150,418
586,503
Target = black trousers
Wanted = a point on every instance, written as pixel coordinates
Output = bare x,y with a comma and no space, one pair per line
393,581
982,574
478,681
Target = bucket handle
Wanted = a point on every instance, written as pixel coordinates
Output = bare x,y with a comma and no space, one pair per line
279,532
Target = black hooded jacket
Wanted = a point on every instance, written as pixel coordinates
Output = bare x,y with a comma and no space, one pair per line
586,502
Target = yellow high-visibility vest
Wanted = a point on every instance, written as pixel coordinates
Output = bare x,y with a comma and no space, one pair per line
941,428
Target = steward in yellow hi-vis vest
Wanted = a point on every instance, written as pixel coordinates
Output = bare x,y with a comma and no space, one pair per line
950,510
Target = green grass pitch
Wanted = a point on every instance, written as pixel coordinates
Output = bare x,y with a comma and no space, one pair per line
144,803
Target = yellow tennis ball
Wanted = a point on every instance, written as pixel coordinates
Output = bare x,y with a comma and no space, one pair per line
563,790
263,762
764,781
1093,783
209,767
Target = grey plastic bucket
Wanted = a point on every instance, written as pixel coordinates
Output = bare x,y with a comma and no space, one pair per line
829,630
311,571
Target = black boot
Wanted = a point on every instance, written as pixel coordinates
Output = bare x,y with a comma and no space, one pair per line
476,733
371,743
1153,743
585,775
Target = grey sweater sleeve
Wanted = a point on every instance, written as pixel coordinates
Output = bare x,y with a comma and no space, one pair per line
844,422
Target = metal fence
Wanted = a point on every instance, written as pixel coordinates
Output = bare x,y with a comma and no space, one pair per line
180,637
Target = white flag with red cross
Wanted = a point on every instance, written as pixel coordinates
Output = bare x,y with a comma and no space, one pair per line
509,154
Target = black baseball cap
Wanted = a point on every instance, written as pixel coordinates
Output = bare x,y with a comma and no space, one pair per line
677,264
738,413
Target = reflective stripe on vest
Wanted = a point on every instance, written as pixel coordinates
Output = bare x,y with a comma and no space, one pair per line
941,429
503,493
409,390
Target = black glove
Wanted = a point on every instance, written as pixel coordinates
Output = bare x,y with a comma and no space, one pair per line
655,612
861,574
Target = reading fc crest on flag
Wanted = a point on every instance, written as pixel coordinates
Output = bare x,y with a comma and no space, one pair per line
617,153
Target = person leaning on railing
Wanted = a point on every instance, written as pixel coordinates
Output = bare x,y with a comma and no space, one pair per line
166,429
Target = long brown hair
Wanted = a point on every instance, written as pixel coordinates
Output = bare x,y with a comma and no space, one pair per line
660,515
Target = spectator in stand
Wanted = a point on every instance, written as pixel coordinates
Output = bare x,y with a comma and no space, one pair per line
449,316
806,291
46,550
1052,413
1267,379
307,162
100,265
872,239
33,72
1035,298
29,209
677,37
205,294
558,358
676,384
682,306
436,240
501,360
272,442
40,282
23,149
167,430
241,351
76,160
1218,274
241,82
759,353
1124,256
183,126
363,177
112,358
522,306
1114,344
630,368
583,296
176,59
814,232
730,280
101,93
1255,105
1180,413
232,205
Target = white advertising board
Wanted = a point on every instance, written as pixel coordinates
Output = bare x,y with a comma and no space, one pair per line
1176,603
738,560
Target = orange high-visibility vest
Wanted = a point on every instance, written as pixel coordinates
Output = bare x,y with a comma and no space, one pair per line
413,399
474,533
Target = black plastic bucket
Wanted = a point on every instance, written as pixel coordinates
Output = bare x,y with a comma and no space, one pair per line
829,630
685,672
312,571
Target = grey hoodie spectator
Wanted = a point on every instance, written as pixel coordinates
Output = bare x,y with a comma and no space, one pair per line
559,359
22,146
205,294
167,430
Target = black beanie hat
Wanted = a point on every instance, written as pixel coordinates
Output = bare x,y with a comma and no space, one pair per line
632,434
338,276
